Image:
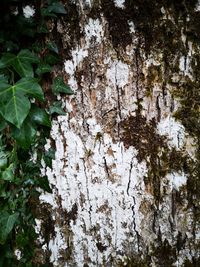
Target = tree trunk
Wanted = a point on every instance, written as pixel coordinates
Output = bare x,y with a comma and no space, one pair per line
125,178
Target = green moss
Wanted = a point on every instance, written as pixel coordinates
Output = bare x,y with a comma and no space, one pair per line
152,148
164,254
155,32
133,262
193,263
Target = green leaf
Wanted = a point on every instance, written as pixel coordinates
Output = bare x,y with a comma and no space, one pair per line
7,222
8,174
26,135
51,59
30,87
53,47
57,7
42,28
3,123
43,68
21,63
3,159
15,106
22,67
60,87
57,108
3,78
49,156
45,12
14,103
27,55
44,184
40,116
6,60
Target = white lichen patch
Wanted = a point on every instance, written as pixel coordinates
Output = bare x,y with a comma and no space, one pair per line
106,185
93,31
118,73
71,65
177,180
173,130
28,11
119,3
57,244
132,26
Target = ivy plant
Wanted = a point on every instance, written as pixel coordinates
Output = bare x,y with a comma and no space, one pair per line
27,55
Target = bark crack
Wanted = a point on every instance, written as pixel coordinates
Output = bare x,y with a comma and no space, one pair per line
118,103
87,191
133,206
106,167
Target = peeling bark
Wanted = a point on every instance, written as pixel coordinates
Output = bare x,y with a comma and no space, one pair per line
123,165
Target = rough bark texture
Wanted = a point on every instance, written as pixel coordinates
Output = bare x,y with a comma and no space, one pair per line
125,179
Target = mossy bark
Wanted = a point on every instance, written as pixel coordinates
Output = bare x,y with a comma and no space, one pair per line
126,176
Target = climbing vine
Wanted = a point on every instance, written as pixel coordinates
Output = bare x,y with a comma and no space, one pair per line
27,103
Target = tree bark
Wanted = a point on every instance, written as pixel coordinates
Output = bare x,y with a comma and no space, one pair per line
125,175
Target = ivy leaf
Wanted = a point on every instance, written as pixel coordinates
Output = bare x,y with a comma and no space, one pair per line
6,60
26,135
30,87
52,47
51,59
60,87
27,55
3,160
49,156
42,28
21,63
8,174
23,68
3,123
43,68
14,103
3,78
7,222
56,7
44,184
57,108
45,12
40,116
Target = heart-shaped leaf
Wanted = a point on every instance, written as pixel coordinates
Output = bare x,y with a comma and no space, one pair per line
3,123
57,108
6,60
7,222
26,55
40,116
25,136
43,183
56,7
22,63
53,47
3,159
15,107
43,68
30,87
60,87
45,12
14,103
8,174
